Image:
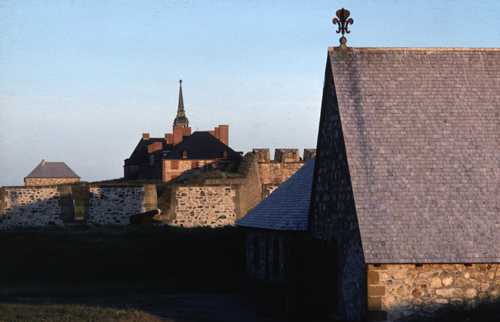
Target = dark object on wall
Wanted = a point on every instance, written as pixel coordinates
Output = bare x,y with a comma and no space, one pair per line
144,218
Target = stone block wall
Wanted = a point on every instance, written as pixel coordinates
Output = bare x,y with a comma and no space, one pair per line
35,206
398,291
286,162
49,181
114,204
205,205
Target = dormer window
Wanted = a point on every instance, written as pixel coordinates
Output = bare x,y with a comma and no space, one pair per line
224,154
184,155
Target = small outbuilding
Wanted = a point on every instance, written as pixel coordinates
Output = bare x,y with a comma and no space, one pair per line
51,173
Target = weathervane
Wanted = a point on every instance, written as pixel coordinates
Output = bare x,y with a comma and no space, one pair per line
343,22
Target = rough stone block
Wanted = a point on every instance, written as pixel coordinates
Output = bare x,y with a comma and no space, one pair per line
376,290
373,278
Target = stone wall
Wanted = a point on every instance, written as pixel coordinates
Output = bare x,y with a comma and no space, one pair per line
35,206
286,162
333,218
398,291
205,205
114,204
49,181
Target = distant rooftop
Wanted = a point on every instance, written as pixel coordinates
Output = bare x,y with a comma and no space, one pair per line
52,170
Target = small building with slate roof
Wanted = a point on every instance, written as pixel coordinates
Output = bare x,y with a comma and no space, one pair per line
279,218
406,190
179,152
51,173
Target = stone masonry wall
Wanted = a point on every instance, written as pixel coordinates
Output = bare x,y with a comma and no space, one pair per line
113,204
48,181
398,291
204,205
30,206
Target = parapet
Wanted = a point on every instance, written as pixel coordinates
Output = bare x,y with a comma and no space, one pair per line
309,154
283,155
262,155
286,155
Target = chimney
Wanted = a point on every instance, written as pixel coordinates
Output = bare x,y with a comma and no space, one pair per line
43,161
224,134
178,133
169,138
145,136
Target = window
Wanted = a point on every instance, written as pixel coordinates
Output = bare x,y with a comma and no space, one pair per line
174,164
195,165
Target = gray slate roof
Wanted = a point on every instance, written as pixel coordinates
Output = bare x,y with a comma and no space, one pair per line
422,134
52,170
287,207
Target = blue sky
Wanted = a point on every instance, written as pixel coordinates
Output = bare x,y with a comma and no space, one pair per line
80,81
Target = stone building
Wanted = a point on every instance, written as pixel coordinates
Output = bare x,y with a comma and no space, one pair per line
406,191
180,152
274,222
51,173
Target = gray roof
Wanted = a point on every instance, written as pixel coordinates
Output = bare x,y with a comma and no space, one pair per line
422,135
287,207
52,170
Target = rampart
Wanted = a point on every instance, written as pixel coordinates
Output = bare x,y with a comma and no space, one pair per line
53,205
219,202
273,173
114,204
36,206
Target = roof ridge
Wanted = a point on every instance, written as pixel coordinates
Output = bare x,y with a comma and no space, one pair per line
418,49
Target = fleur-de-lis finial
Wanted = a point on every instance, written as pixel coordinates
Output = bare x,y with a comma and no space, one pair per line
343,23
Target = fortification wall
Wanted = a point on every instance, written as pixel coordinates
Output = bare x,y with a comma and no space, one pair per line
273,173
49,181
114,204
35,206
205,205
53,205
398,291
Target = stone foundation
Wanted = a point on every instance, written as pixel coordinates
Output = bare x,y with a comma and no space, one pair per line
398,291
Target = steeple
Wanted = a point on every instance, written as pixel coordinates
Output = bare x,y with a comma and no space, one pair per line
181,119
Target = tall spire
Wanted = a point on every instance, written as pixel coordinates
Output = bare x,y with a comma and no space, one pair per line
181,118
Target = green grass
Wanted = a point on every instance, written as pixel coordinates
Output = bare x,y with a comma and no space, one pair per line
71,312
86,260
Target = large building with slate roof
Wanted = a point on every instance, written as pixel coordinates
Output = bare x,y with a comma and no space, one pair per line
51,173
407,179
180,152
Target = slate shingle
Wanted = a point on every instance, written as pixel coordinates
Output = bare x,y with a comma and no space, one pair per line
52,170
287,207
422,134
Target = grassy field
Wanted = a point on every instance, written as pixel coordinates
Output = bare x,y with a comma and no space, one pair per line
71,312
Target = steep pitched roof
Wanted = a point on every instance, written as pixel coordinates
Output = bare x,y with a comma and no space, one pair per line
287,207
201,146
422,135
140,154
52,170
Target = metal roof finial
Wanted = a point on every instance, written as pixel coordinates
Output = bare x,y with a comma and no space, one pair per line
343,22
